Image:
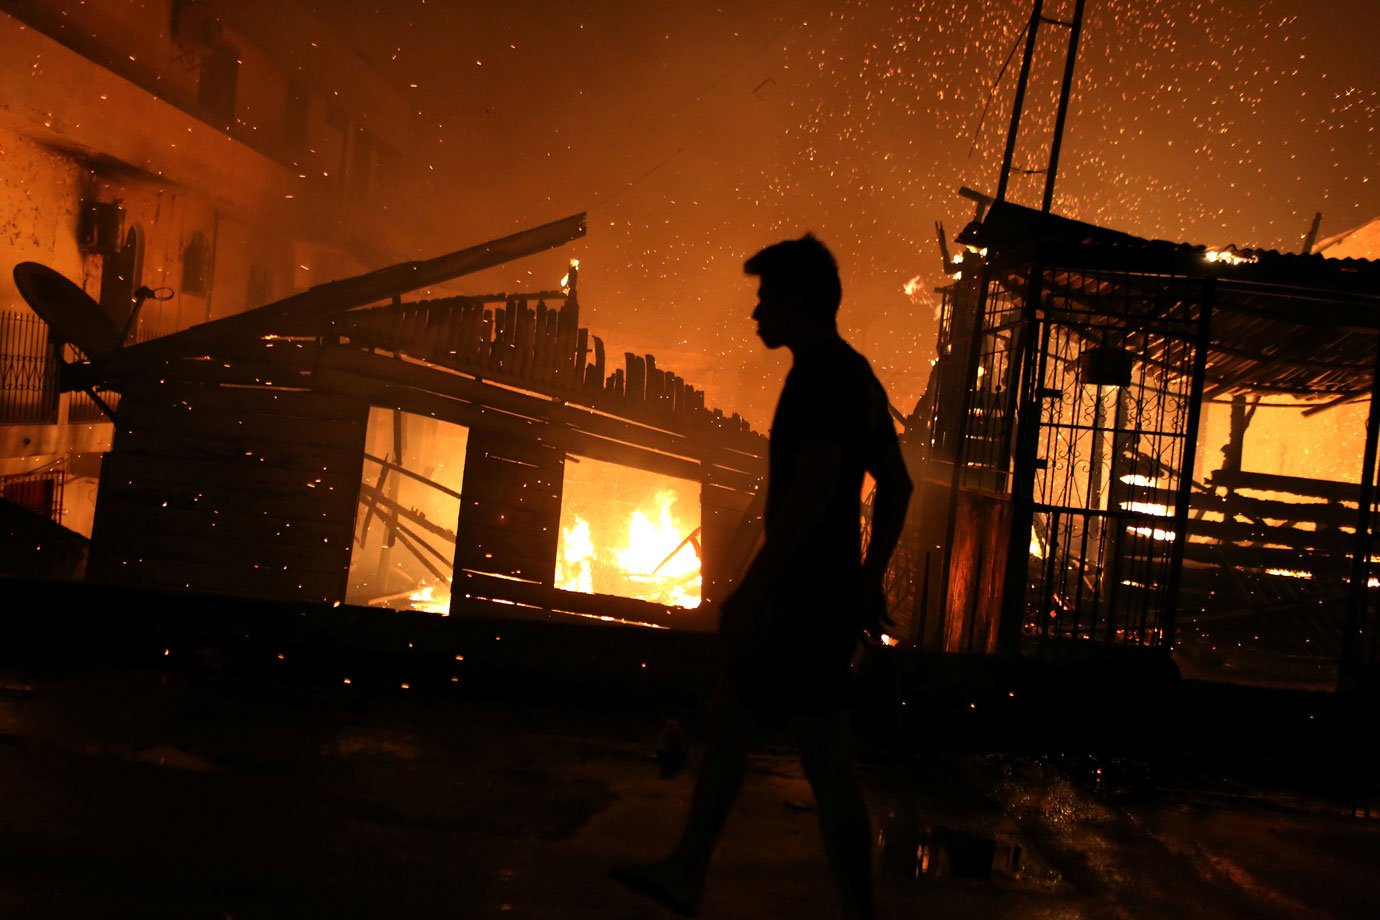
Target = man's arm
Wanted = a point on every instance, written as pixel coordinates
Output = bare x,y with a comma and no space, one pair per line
889,505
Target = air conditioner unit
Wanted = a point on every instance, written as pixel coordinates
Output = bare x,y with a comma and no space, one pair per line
195,24
100,227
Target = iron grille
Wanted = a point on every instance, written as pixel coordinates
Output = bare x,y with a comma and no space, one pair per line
28,371
1114,382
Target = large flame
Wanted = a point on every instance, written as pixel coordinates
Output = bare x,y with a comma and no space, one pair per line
653,556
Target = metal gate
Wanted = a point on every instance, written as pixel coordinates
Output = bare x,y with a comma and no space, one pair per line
1109,409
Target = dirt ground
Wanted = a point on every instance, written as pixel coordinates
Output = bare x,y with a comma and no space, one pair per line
180,793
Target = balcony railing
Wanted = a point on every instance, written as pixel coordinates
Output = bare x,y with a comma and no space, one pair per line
28,371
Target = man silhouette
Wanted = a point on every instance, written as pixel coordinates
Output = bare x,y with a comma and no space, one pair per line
793,623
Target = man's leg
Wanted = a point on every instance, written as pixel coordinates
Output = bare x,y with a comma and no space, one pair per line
717,785
826,753
678,881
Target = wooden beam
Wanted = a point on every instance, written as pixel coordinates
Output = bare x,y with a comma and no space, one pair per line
297,312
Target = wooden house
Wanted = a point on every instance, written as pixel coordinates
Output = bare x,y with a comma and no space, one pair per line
258,455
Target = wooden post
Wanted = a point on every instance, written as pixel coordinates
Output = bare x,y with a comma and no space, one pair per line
581,358
637,379
570,364
599,360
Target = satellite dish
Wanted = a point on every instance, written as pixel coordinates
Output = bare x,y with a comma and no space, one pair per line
67,309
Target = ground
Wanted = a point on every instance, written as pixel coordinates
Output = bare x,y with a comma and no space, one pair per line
190,792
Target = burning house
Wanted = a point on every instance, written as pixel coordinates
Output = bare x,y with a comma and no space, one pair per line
458,453
1069,503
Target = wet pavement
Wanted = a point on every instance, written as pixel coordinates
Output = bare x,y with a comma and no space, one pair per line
189,793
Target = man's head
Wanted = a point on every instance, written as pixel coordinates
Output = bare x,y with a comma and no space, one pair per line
798,293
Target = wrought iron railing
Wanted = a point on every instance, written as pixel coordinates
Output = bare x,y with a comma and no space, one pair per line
28,371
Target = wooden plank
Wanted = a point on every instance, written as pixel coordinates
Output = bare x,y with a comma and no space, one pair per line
284,454
494,515
505,545
256,400
526,339
502,471
598,358
553,356
500,558
237,578
638,458
210,371
569,341
277,519
224,426
581,359
551,598
1265,557
512,492
735,500
386,381
219,547
1297,485
1235,504
635,379
240,475
386,502
1242,532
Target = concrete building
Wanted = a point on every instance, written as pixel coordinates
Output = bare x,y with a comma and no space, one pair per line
225,153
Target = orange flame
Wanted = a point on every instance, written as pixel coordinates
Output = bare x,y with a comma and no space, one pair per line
655,557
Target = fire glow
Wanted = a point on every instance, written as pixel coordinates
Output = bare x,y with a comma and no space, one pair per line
640,538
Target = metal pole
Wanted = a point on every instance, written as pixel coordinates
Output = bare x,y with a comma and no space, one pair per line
1360,558
1030,409
1190,456
1065,91
960,451
1019,103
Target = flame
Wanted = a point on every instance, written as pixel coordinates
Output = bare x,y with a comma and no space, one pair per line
577,553
1153,533
565,279
427,600
1229,257
1154,508
656,557
912,287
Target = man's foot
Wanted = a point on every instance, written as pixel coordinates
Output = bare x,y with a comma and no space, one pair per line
664,884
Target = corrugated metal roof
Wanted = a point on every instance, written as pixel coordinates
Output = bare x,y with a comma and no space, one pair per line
1284,323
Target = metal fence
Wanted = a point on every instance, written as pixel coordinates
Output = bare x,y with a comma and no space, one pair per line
1115,382
28,371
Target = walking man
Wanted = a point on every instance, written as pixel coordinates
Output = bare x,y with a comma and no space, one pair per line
794,621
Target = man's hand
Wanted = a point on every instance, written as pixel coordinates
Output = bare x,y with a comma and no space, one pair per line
872,607
739,611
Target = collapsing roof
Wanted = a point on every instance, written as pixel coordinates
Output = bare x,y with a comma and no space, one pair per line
1298,325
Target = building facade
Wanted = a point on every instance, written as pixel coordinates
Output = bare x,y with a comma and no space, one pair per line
224,154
